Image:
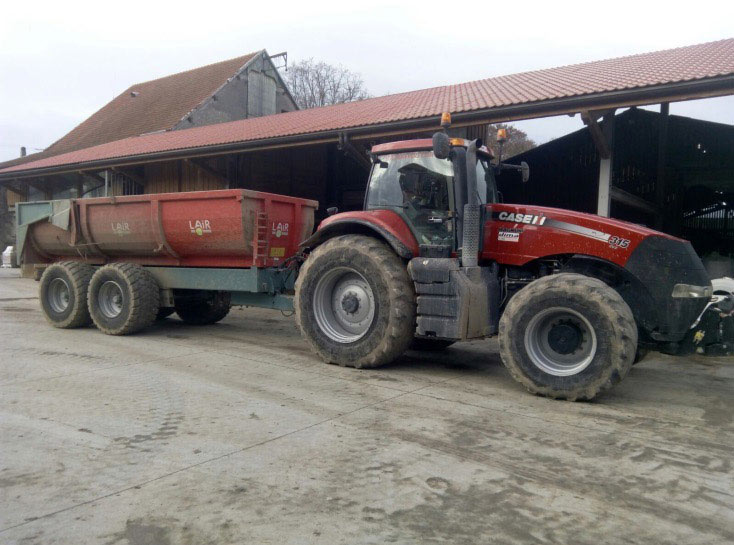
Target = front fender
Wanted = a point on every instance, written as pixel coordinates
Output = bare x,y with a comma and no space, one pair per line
383,224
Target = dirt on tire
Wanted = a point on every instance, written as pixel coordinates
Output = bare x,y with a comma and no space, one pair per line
140,298
76,275
393,325
611,317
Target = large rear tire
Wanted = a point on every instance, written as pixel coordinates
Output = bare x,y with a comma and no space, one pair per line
567,336
63,294
355,304
205,308
123,298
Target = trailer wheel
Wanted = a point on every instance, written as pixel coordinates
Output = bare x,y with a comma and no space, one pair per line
206,309
354,303
568,336
63,294
430,345
123,298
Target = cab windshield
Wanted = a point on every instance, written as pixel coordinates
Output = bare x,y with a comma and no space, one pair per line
422,193
486,186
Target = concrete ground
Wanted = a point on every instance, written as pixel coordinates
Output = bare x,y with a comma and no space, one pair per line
235,433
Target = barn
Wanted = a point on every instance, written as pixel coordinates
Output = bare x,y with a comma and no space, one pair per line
321,153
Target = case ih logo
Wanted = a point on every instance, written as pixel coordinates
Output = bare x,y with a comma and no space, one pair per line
280,229
120,228
530,219
199,227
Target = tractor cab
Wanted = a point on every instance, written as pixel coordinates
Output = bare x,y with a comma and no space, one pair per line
429,192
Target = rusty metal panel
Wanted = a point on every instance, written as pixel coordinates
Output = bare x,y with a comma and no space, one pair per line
226,228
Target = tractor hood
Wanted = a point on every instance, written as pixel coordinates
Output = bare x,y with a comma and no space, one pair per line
521,233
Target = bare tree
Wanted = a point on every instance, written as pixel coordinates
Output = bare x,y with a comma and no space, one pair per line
517,140
314,84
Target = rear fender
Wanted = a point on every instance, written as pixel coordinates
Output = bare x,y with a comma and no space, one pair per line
382,224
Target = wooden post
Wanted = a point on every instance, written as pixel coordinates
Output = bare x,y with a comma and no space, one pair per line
660,182
605,167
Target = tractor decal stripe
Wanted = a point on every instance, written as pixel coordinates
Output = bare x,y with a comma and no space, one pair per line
578,229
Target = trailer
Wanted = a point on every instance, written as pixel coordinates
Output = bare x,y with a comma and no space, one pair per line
122,262
434,258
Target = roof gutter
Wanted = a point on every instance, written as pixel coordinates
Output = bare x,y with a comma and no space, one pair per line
671,92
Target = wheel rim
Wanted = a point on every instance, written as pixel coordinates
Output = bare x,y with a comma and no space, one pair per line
560,341
59,295
110,299
344,305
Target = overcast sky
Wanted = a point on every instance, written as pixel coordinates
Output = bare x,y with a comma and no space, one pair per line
61,61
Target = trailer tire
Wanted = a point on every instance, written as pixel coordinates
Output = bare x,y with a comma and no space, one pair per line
123,298
63,294
567,336
209,309
354,303
424,344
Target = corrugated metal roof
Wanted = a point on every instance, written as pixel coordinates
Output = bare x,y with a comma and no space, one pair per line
682,64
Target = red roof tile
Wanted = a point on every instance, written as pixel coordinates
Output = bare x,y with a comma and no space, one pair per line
673,65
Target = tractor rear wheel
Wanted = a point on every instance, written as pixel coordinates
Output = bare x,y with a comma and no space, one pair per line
123,298
567,336
63,294
204,309
355,303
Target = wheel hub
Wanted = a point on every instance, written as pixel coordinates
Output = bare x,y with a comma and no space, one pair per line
110,299
58,295
564,338
350,303
344,305
560,341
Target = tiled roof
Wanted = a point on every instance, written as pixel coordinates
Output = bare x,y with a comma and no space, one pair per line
637,71
158,105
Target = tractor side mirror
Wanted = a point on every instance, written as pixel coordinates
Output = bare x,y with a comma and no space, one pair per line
441,145
525,171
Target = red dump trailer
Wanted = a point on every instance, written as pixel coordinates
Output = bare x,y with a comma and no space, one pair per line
123,261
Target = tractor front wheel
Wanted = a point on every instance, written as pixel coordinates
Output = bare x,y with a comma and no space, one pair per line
355,303
567,336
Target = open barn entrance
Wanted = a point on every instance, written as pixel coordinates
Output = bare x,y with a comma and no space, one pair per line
668,172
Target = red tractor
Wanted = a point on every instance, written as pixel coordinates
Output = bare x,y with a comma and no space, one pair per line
435,257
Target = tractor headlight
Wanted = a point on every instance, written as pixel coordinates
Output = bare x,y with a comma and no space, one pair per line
691,291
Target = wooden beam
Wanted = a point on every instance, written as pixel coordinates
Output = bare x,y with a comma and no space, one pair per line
660,182
13,185
349,149
633,201
201,165
92,175
126,172
605,168
597,135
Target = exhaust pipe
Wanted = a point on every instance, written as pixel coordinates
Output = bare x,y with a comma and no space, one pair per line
472,210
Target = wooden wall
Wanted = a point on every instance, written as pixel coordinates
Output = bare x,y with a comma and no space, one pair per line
175,176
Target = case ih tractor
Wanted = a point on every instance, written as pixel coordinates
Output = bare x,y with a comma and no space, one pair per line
435,257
